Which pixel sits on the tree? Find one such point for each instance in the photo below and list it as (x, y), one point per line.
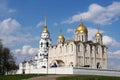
(1, 48)
(7, 60)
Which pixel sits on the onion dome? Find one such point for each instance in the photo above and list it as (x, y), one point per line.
(45, 30)
(61, 36)
(98, 34)
(81, 28)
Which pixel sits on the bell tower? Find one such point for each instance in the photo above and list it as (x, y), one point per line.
(44, 44)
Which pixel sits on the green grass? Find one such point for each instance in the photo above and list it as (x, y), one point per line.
(71, 77)
(19, 76)
(88, 77)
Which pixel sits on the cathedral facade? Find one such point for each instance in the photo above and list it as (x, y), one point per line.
(79, 52)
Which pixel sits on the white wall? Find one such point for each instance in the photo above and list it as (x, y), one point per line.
(71, 70)
(96, 72)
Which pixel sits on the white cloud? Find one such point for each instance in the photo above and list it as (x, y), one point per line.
(27, 52)
(11, 10)
(41, 23)
(5, 9)
(113, 60)
(98, 14)
(10, 33)
(107, 40)
(114, 64)
(115, 55)
(8, 26)
(70, 30)
(26, 49)
(55, 24)
(91, 33)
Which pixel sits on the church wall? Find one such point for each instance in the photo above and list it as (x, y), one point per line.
(64, 52)
(105, 58)
(87, 55)
(93, 57)
(80, 54)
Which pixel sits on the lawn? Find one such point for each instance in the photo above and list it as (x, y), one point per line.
(71, 77)
(19, 76)
(88, 77)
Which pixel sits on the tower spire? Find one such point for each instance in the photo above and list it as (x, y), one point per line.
(45, 23)
(45, 30)
(81, 20)
(60, 31)
(98, 30)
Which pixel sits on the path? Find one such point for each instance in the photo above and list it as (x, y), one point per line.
(49, 77)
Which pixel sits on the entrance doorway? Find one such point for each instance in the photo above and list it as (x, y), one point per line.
(98, 65)
(23, 71)
(57, 63)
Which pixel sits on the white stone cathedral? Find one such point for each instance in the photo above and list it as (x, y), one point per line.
(78, 52)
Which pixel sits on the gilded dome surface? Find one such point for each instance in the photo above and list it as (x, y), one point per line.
(81, 29)
(98, 34)
(60, 37)
(45, 30)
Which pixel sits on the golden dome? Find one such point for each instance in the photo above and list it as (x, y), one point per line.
(98, 34)
(61, 37)
(45, 30)
(81, 29)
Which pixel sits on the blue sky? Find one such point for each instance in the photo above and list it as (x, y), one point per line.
(21, 23)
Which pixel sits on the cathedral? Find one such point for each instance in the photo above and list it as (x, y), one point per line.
(79, 52)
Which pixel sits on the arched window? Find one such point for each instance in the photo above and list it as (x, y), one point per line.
(79, 48)
(98, 65)
(99, 40)
(85, 48)
(66, 48)
(82, 37)
(41, 44)
(47, 44)
(60, 49)
(71, 47)
(79, 38)
(97, 49)
(90, 49)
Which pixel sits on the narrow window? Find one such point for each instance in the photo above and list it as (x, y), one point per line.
(47, 44)
(66, 48)
(41, 44)
(82, 37)
(60, 49)
(71, 47)
(78, 48)
(85, 48)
